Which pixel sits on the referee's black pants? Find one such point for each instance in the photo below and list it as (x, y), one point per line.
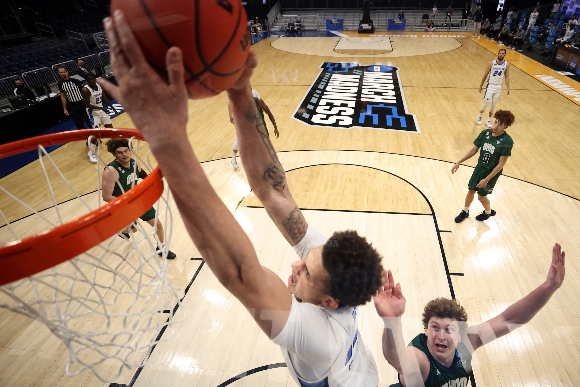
(78, 112)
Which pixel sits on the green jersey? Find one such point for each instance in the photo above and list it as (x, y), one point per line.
(457, 375)
(256, 99)
(492, 148)
(127, 177)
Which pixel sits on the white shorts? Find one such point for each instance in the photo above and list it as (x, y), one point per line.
(492, 95)
(100, 118)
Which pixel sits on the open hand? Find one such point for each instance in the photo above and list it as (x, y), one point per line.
(389, 302)
(152, 102)
(557, 269)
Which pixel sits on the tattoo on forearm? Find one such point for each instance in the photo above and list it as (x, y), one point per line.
(276, 176)
(295, 225)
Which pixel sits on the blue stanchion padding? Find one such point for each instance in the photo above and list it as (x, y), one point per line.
(396, 24)
(334, 24)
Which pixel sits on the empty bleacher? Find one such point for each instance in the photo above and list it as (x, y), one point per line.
(315, 19)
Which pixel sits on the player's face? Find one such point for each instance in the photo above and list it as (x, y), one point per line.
(498, 128)
(442, 338)
(500, 55)
(92, 81)
(123, 155)
(308, 278)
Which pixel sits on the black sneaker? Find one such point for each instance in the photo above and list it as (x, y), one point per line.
(170, 254)
(462, 216)
(124, 235)
(483, 216)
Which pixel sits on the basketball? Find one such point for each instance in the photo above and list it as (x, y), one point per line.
(212, 34)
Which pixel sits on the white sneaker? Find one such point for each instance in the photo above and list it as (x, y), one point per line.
(479, 120)
(488, 123)
(92, 157)
(235, 164)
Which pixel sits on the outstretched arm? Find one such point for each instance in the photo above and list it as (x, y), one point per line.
(411, 363)
(523, 310)
(159, 109)
(263, 169)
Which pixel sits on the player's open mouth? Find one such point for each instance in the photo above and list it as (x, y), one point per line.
(441, 347)
(291, 280)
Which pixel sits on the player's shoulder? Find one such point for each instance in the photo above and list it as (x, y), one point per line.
(508, 138)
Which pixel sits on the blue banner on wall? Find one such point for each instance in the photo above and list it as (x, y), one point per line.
(334, 24)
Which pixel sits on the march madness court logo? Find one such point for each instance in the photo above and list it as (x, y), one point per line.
(348, 94)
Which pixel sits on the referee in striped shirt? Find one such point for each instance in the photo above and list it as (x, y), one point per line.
(71, 96)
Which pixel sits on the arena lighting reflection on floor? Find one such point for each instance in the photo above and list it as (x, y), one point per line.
(216, 298)
(185, 364)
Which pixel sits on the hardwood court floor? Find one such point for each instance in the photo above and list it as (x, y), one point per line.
(396, 188)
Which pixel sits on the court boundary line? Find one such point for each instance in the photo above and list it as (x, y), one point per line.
(406, 155)
(448, 274)
(443, 256)
(162, 331)
(250, 372)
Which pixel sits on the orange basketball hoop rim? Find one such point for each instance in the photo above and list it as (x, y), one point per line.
(31, 255)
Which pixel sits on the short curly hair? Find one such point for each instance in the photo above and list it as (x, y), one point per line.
(354, 268)
(115, 143)
(444, 308)
(505, 117)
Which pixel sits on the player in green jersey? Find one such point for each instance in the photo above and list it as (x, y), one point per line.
(262, 107)
(441, 357)
(120, 176)
(496, 146)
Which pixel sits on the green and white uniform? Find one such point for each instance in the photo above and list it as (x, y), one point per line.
(127, 179)
(458, 374)
(256, 96)
(492, 148)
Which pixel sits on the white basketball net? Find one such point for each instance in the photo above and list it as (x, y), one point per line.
(107, 305)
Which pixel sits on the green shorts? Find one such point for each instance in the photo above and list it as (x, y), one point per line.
(150, 214)
(479, 174)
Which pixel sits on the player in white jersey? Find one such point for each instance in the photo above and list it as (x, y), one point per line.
(316, 327)
(495, 72)
(93, 98)
(313, 316)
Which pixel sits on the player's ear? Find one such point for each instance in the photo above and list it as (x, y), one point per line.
(329, 302)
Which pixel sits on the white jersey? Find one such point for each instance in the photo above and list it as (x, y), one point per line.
(96, 95)
(323, 347)
(99, 117)
(496, 74)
